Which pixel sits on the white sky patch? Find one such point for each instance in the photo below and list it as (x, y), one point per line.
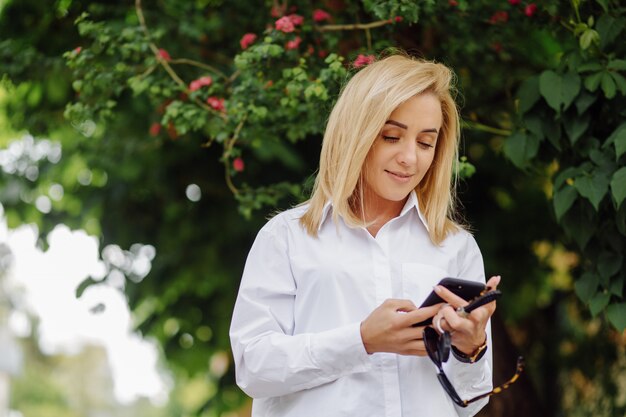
(47, 282)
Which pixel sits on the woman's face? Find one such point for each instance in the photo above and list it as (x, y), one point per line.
(403, 151)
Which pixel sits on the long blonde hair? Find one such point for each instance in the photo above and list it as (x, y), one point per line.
(355, 122)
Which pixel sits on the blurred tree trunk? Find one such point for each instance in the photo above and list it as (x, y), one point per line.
(521, 399)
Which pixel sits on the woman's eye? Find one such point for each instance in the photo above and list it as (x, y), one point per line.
(390, 138)
(425, 145)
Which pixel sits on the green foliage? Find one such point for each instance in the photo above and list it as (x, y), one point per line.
(115, 88)
(584, 98)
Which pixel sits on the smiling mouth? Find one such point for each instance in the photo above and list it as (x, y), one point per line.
(399, 174)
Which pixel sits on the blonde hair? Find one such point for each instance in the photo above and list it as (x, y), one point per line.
(355, 122)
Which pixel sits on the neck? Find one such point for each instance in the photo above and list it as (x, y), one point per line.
(377, 212)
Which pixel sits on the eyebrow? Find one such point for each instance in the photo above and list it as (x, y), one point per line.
(403, 126)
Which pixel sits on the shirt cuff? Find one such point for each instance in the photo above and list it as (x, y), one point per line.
(470, 379)
(340, 351)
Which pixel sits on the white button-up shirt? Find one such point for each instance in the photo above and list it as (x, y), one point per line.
(295, 331)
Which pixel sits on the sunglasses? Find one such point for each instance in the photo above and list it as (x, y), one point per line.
(438, 349)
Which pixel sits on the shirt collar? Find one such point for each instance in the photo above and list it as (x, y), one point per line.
(325, 212)
(411, 203)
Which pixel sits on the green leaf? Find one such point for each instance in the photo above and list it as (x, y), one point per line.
(586, 286)
(599, 302)
(608, 85)
(521, 147)
(567, 173)
(550, 86)
(593, 187)
(592, 82)
(617, 64)
(609, 264)
(619, 138)
(618, 186)
(590, 66)
(576, 127)
(609, 29)
(528, 94)
(570, 88)
(588, 37)
(552, 131)
(563, 200)
(616, 314)
(579, 225)
(620, 81)
(584, 100)
(532, 122)
(602, 159)
(617, 286)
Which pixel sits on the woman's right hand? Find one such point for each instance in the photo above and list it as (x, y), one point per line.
(389, 328)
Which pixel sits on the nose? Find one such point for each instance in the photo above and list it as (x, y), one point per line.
(407, 153)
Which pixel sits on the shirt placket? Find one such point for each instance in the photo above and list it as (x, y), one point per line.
(387, 361)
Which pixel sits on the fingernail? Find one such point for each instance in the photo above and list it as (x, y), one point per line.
(437, 288)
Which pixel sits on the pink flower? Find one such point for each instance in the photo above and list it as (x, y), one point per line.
(216, 103)
(514, 2)
(247, 40)
(320, 15)
(294, 43)
(155, 129)
(362, 60)
(296, 19)
(238, 164)
(530, 9)
(499, 17)
(200, 82)
(78, 49)
(453, 3)
(164, 54)
(285, 24)
(398, 19)
(276, 11)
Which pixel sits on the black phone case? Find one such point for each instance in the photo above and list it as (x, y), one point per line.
(461, 287)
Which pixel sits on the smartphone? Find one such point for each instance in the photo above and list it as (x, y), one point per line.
(461, 287)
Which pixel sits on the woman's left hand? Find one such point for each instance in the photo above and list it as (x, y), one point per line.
(467, 334)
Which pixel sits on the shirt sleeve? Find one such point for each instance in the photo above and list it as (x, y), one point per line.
(472, 379)
(270, 360)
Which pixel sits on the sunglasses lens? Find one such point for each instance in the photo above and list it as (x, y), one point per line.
(444, 346)
(431, 343)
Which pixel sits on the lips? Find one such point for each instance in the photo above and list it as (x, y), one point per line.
(399, 175)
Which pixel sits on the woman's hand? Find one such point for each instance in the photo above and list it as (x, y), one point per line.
(389, 328)
(467, 334)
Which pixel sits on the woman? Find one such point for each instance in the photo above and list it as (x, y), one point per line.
(323, 321)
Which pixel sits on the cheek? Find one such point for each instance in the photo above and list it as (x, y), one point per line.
(426, 161)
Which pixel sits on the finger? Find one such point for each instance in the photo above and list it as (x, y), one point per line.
(449, 297)
(400, 305)
(483, 313)
(421, 314)
(414, 348)
(409, 334)
(454, 321)
(494, 282)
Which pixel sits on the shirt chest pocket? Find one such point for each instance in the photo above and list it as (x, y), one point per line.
(419, 279)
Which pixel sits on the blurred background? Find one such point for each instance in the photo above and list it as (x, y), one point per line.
(144, 143)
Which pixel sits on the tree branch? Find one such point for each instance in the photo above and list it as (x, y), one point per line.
(354, 26)
(165, 64)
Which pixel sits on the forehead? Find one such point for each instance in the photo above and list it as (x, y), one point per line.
(419, 110)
